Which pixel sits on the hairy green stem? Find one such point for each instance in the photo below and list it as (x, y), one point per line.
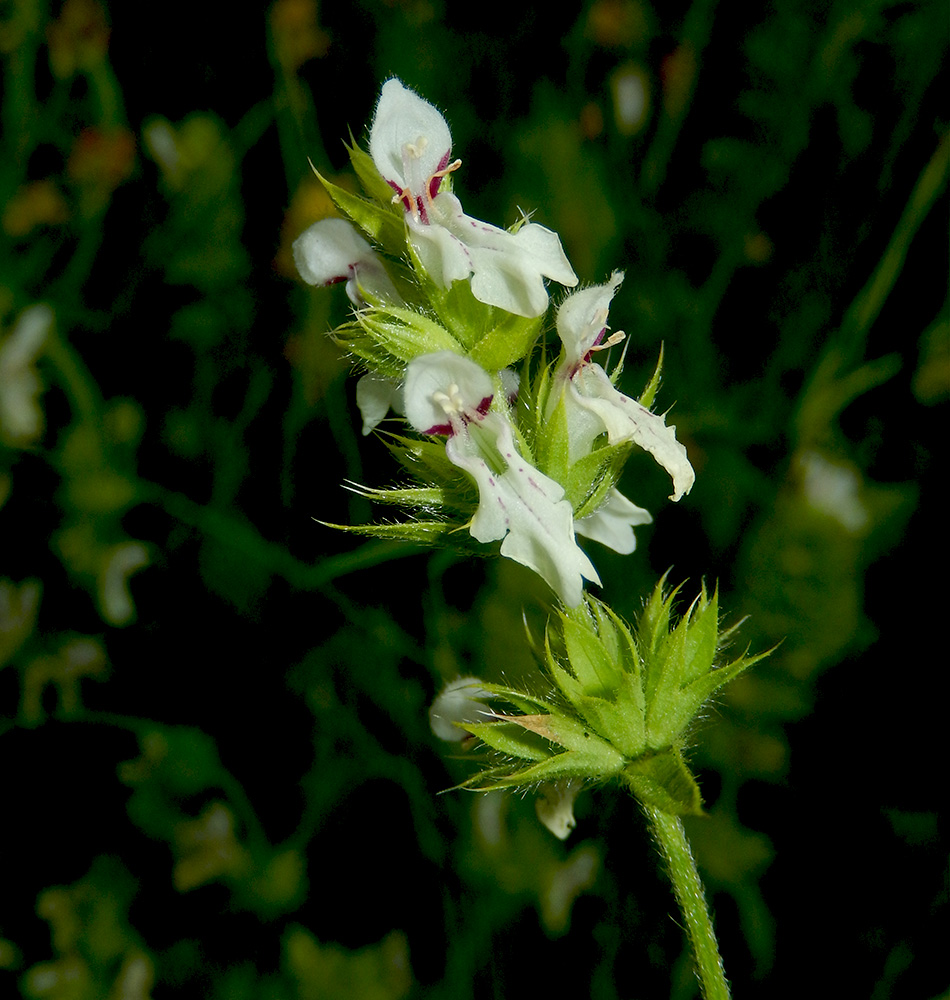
(688, 889)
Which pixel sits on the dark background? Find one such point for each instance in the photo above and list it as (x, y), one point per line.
(781, 215)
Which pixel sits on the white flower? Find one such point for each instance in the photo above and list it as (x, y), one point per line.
(555, 806)
(115, 599)
(613, 522)
(331, 251)
(834, 488)
(411, 145)
(594, 405)
(462, 700)
(446, 393)
(375, 394)
(21, 417)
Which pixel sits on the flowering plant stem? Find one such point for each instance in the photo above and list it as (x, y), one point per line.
(671, 837)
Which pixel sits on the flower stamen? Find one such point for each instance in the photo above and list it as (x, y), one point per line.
(611, 341)
(414, 202)
(450, 401)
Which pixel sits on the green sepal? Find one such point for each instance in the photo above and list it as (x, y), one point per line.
(353, 339)
(687, 652)
(596, 674)
(707, 685)
(700, 636)
(591, 478)
(456, 307)
(404, 333)
(570, 764)
(663, 781)
(552, 439)
(653, 633)
(427, 461)
(507, 341)
(684, 656)
(421, 532)
(528, 703)
(681, 667)
(604, 682)
(617, 639)
(385, 225)
(511, 739)
(649, 393)
(533, 397)
(587, 481)
(561, 765)
(430, 498)
(620, 722)
(622, 702)
(374, 184)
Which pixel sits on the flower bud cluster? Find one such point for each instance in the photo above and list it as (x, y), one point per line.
(444, 306)
(621, 704)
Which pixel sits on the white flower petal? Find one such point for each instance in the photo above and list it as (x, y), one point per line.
(462, 700)
(115, 599)
(582, 319)
(443, 255)
(625, 419)
(28, 336)
(375, 394)
(520, 505)
(411, 145)
(613, 522)
(409, 139)
(555, 806)
(443, 386)
(834, 488)
(331, 251)
(507, 269)
(446, 393)
(21, 416)
(511, 383)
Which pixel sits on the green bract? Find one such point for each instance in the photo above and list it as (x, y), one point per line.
(623, 701)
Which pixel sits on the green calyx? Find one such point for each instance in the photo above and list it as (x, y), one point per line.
(623, 701)
(387, 336)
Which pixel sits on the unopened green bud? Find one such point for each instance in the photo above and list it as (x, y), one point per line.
(623, 704)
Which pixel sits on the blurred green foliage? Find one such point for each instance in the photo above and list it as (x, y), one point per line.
(244, 803)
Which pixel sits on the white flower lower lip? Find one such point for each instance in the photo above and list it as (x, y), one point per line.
(625, 419)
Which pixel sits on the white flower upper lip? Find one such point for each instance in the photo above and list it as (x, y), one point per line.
(411, 145)
(331, 250)
(582, 320)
